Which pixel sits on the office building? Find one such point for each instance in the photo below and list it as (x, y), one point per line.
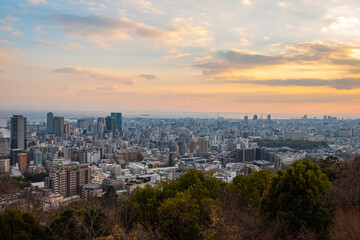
(4, 146)
(59, 126)
(67, 129)
(50, 123)
(22, 161)
(18, 132)
(255, 117)
(193, 146)
(67, 180)
(110, 123)
(204, 146)
(37, 157)
(118, 117)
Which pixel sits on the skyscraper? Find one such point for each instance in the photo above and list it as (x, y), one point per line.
(118, 117)
(59, 126)
(111, 124)
(18, 132)
(50, 123)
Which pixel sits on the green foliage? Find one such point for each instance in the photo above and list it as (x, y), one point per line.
(19, 225)
(36, 177)
(297, 196)
(251, 188)
(144, 203)
(295, 144)
(179, 217)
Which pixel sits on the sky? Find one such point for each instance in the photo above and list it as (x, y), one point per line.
(299, 56)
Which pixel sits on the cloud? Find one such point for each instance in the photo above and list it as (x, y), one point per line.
(67, 46)
(179, 55)
(341, 84)
(101, 29)
(6, 28)
(148, 76)
(108, 88)
(301, 54)
(37, 2)
(96, 74)
(143, 6)
(5, 59)
(10, 29)
(40, 29)
(344, 27)
(4, 41)
(200, 59)
(10, 20)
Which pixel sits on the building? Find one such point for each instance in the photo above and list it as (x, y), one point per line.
(4, 166)
(22, 161)
(67, 180)
(246, 119)
(18, 132)
(13, 155)
(193, 146)
(118, 117)
(85, 123)
(296, 135)
(268, 118)
(204, 146)
(255, 117)
(37, 157)
(252, 154)
(59, 126)
(110, 123)
(67, 129)
(4, 146)
(91, 190)
(50, 123)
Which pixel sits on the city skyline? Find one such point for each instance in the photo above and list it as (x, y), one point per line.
(296, 57)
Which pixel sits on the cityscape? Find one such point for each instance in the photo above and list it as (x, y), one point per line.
(179, 120)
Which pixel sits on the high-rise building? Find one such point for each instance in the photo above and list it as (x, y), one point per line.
(59, 126)
(67, 180)
(110, 123)
(67, 129)
(50, 123)
(37, 157)
(18, 132)
(246, 118)
(255, 117)
(4, 146)
(204, 146)
(268, 117)
(13, 155)
(22, 161)
(118, 117)
(100, 127)
(193, 146)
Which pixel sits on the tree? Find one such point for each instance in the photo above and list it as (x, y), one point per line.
(297, 196)
(251, 188)
(16, 225)
(179, 217)
(111, 193)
